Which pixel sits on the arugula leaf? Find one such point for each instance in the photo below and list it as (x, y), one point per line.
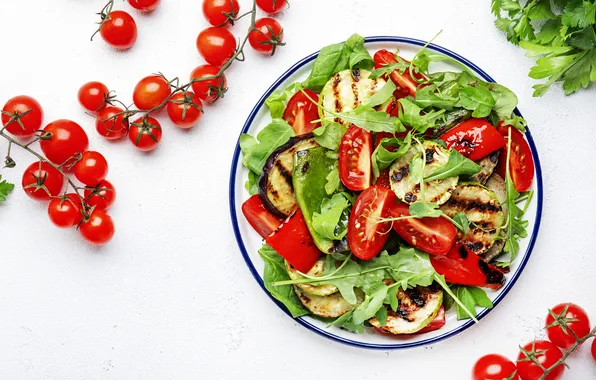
(333, 181)
(329, 135)
(429, 97)
(422, 209)
(5, 189)
(359, 57)
(256, 151)
(371, 305)
(346, 322)
(412, 115)
(332, 221)
(382, 95)
(276, 102)
(275, 270)
(471, 297)
(456, 165)
(370, 119)
(460, 220)
(477, 99)
(252, 184)
(451, 296)
(383, 157)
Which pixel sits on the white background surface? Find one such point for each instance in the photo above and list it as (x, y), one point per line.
(170, 297)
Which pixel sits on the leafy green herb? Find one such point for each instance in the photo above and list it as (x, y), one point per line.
(275, 270)
(383, 157)
(329, 135)
(370, 119)
(359, 56)
(256, 151)
(421, 209)
(346, 322)
(332, 221)
(276, 102)
(452, 297)
(333, 181)
(5, 189)
(460, 220)
(477, 99)
(456, 165)
(252, 184)
(471, 297)
(412, 115)
(382, 95)
(429, 97)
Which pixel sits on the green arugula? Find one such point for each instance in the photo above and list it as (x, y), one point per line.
(477, 99)
(456, 165)
(5, 189)
(333, 181)
(252, 184)
(470, 296)
(256, 151)
(329, 135)
(276, 102)
(412, 115)
(383, 157)
(370, 119)
(332, 221)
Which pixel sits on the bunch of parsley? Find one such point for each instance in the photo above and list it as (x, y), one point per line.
(562, 33)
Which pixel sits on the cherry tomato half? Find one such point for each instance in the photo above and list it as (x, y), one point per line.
(579, 324)
(101, 196)
(145, 133)
(521, 163)
(42, 181)
(144, 5)
(301, 112)
(150, 92)
(185, 109)
(474, 139)
(211, 89)
(271, 6)
(93, 96)
(67, 140)
(547, 355)
(91, 169)
(220, 12)
(366, 236)
(119, 30)
(98, 229)
(22, 115)
(111, 128)
(216, 45)
(355, 158)
(267, 36)
(65, 211)
(264, 222)
(406, 86)
(494, 367)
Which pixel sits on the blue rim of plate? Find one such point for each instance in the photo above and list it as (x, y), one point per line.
(327, 333)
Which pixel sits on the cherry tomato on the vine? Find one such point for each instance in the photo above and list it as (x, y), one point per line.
(216, 45)
(145, 133)
(93, 96)
(101, 196)
(111, 128)
(91, 169)
(594, 349)
(42, 181)
(65, 211)
(67, 140)
(119, 30)
(220, 12)
(98, 229)
(267, 36)
(494, 367)
(271, 6)
(150, 92)
(547, 354)
(144, 5)
(211, 89)
(184, 109)
(575, 318)
(22, 115)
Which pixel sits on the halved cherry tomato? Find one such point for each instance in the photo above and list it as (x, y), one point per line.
(521, 163)
(42, 181)
(578, 322)
(210, 89)
(474, 139)
(547, 354)
(463, 267)
(432, 235)
(22, 115)
(383, 179)
(494, 367)
(264, 222)
(354, 159)
(293, 242)
(404, 82)
(65, 211)
(366, 236)
(301, 112)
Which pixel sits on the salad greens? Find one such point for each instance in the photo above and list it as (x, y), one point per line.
(5, 189)
(256, 151)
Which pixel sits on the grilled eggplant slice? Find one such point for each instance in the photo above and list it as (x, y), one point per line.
(417, 308)
(331, 306)
(348, 89)
(275, 184)
(316, 270)
(484, 212)
(487, 165)
(435, 191)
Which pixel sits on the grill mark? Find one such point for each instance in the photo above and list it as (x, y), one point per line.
(438, 197)
(356, 75)
(494, 157)
(429, 156)
(400, 174)
(335, 88)
(409, 197)
(493, 276)
(287, 176)
(355, 92)
(463, 253)
(472, 204)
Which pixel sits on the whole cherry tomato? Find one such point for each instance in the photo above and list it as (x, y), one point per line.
(547, 354)
(575, 319)
(66, 140)
(91, 169)
(184, 109)
(216, 45)
(211, 89)
(145, 133)
(22, 115)
(65, 211)
(220, 12)
(98, 229)
(42, 181)
(110, 127)
(119, 30)
(101, 196)
(150, 92)
(267, 36)
(144, 5)
(271, 6)
(93, 96)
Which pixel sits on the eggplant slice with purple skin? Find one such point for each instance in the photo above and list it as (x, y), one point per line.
(275, 184)
(488, 165)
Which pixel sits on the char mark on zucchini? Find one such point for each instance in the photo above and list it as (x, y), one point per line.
(487, 167)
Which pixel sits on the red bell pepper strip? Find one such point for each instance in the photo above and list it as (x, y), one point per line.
(474, 139)
(264, 222)
(293, 242)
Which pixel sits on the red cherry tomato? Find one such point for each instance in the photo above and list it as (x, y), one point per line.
(301, 112)
(432, 235)
(101, 196)
(548, 355)
(93, 96)
(267, 36)
(474, 139)
(521, 163)
(22, 115)
(111, 129)
(185, 109)
(220, 12)
(594, 349)
(145, 133)
(354, 158)
(271, 6)
(264, 222)
(579, 323)
(119, 30)
(67, 140)
(42, 181)
(65, 211)
(403, 81)
(211, 89)
(150, 92)
(98, 229)
(216, 45)
(366, 236)
(144, 5)
(91, 169)
(494, 367)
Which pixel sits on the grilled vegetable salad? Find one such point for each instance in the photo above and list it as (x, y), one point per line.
(386, 193)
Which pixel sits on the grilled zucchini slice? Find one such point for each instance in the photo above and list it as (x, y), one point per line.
(496, 183)
(276, 190)
(331, 306)
(407, 190)
(347, 90)
(316, 270)
(484, 212)
(487, 167)
(417, 308)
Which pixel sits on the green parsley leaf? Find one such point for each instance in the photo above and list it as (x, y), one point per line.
(5, 189)
(456, 165)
